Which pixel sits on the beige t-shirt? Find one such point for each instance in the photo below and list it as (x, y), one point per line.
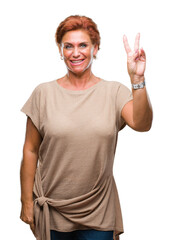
(74, 185)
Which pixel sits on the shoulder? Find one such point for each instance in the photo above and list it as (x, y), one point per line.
(115, 85)
(44, 87)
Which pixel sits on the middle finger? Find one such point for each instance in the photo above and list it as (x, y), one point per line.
(136, 46)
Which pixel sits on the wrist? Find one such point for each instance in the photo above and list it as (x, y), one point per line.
(138, 84)
(27, 201)
(137, 79)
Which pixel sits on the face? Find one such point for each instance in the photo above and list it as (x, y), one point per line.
(78, 51)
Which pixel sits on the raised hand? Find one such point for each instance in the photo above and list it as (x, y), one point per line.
(136, 60)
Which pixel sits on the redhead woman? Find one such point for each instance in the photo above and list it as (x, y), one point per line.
(68, 189)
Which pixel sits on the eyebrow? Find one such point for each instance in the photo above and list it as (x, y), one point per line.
(72, 44)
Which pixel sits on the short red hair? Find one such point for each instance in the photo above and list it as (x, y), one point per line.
(75, 22)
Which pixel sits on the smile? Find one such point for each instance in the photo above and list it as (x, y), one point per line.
(76, 62)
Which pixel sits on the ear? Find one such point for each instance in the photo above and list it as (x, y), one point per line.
(95, 50)
(59, 47)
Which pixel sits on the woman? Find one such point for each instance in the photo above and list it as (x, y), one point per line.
(72, 129)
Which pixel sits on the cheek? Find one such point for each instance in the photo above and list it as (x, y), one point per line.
(67, 54)
(85, 52)
(91, 51)
(88, 53)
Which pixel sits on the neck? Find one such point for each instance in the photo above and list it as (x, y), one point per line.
(79, 80)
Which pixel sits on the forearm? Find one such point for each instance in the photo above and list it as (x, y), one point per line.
(142, 109)
(27, 175)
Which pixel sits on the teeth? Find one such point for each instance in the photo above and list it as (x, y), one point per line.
(76, 61)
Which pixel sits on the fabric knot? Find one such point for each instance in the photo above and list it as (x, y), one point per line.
(41, 200)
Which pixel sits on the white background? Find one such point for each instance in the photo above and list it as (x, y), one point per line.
(29, 56)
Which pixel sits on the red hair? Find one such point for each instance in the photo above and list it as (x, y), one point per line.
(75, 22)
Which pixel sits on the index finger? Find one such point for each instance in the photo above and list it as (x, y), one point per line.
(126, 44)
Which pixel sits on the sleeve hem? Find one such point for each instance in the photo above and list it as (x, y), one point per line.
(35, 122)
(124, 103)
(123, 123)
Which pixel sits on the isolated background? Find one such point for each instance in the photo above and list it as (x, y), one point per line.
(143, 161)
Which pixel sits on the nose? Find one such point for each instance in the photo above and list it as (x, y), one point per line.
(76, 52)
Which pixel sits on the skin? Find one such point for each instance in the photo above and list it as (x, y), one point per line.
(137, 113)
(78, 77)
(31, 146)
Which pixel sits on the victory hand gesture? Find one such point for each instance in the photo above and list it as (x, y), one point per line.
(136, 60)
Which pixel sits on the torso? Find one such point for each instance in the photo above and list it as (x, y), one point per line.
(65, 84)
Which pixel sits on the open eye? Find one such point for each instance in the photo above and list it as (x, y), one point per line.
(83, 45)
(67, 46)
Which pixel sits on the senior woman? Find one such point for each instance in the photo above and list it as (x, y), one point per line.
(68, 189)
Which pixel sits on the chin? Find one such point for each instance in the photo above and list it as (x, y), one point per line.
(78, 71)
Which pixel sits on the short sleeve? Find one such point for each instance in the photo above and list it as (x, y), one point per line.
(124, 95)
(32, 107)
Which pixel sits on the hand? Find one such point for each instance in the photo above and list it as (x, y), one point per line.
(136, 60)
(27, 215)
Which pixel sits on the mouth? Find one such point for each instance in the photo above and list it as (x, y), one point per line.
(77, 62)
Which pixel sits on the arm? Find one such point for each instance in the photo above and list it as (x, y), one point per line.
(27, 171)
(137, 113)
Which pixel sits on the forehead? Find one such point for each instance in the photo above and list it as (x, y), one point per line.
(76, 36)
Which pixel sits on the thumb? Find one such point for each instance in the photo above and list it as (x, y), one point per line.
(32, 226)
(136, 55)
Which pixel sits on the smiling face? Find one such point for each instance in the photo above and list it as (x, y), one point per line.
(77, 50)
